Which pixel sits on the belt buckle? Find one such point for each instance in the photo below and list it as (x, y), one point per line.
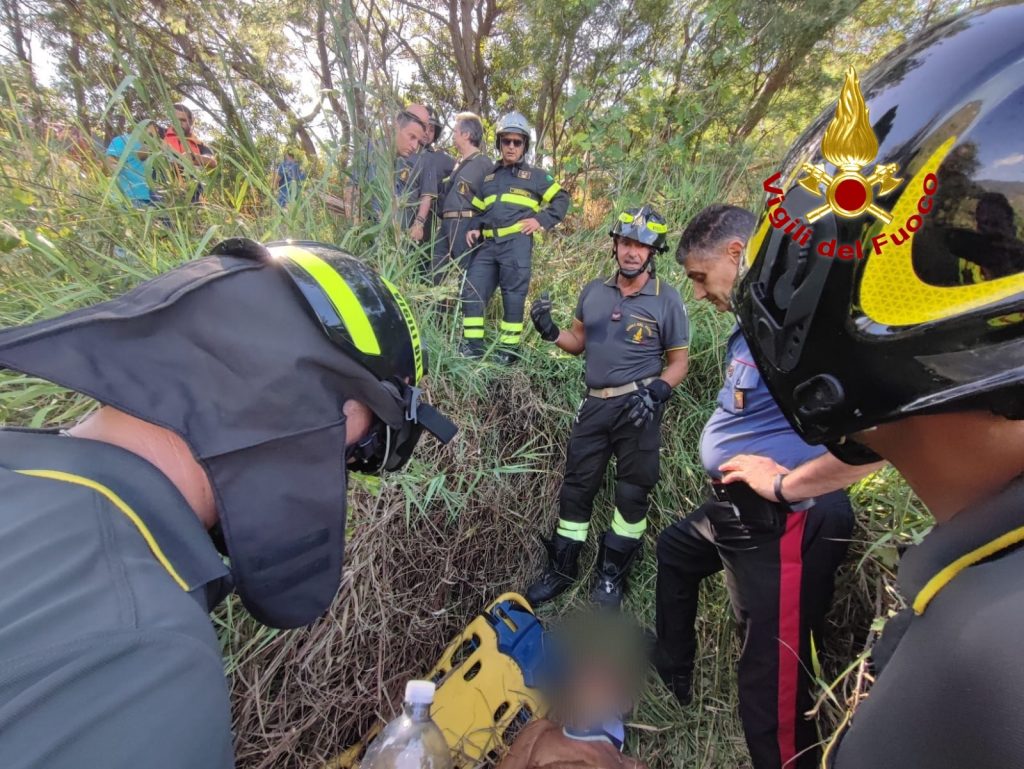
(606, 392)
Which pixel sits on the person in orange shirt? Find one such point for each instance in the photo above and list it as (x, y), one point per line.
(199, 154)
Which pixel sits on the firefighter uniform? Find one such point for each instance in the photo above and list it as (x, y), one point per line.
(414, 177)
(780, 565)
(508, 195)
(107, 653)
(441, 165)
(463, 183)
(626, 338)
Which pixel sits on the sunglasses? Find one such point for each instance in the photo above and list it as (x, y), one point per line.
(508, 142)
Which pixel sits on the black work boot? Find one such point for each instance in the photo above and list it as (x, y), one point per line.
(614, 558)
(506, 356)
(471, 348)
(561, 571)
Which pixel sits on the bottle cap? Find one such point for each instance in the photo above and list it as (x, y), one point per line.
(420, 692)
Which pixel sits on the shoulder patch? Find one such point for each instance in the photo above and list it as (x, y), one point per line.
(519, 191)
(404, 175)
(523, 173)
(463, 188)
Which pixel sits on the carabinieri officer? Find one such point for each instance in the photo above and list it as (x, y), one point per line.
(634, 329)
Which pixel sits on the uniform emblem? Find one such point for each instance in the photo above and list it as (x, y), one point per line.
(524, 174)
(519, 191)
(640, 330)
(489, 178)
(463, 188)
(850, 144)
(404, 175)
(739, 399)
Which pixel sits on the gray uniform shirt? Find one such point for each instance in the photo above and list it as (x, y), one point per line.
(465, 182)
(626, 336)
(107, 654)
(951, 693)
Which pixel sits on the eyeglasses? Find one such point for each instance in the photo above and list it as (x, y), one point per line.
(507, 141)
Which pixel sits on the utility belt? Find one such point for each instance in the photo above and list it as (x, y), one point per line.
(458, 214)
(501, 232)
(744, 514)
(614, 392)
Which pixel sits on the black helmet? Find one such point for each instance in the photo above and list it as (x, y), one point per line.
(250, 355)
(366, 316)
(513, 123)
(435, 121)
(923, 313)
(644, 225)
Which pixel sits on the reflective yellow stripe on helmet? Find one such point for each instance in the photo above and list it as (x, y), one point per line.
(344, 300)
(658, 227)
(892, 293)
(411, 325)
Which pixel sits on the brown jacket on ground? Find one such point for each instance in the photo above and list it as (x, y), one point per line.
(542, 744)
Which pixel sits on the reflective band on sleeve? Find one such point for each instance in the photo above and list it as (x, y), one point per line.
(510, 339)
(551, 191)
(623, 528)
(469, 322)
(120, 504)
(472, 333)
(520, 200)
(573, 530)
(482, 204)
(344, 300)
(509, 326)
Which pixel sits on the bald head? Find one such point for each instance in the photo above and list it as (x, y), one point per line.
(411, 129)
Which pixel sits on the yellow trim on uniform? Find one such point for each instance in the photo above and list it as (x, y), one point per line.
(510, 326)
(345, 302)
(892, 293)
(468, 322)
(519, 200)
(411, 325)
(550, 192)
(944, 577)
(573, 530)
(681, 347)
(503, 231)
(120, 504)
(624, 528)
(482, 204)
(472, 328)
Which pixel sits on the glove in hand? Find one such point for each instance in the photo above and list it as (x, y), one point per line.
(644, 402)
(540, 314)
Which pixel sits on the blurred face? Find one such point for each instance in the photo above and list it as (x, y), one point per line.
(631, 254)
(185, 120)
(512, 148)
(713, 272)
(409, 137)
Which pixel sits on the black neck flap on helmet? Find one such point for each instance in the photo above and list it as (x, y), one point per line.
(887, 280)
(644, 225)
(219, 351)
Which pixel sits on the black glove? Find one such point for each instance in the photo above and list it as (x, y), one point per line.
(540, 314)
(643, 403)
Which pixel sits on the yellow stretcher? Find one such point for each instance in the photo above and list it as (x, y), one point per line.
(486, 686)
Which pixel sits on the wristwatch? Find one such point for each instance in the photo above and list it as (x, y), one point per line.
(778, 489)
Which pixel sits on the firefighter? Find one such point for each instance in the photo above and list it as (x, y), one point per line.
(634, 330)
(780, 555)
(869, 357)
(441, 165)
(516, 201)
(463, 184)
(236, 392)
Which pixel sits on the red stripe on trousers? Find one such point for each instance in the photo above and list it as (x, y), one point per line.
(790, 574)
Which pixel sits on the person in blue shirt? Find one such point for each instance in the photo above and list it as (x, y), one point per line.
(125, 158)
(288, 178)
(780, 554)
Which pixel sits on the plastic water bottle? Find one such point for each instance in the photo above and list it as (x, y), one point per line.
(413, 740)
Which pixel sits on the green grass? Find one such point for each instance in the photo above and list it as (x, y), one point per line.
(428, 548)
